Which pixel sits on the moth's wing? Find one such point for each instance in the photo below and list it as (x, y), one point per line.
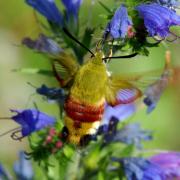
(141, 79)
(126, 88)
(175, 80)
(64, 67)
(120, 91)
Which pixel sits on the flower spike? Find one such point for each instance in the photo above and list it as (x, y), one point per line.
(119, 24)
(158, 19)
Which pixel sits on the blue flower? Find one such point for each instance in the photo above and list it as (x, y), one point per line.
(168, 3)
(1, 170)
(108, 130)
(121, 112)
(113, 115)
(158, 19)
(140, 169)
(118, 26)
(169, 163)
(48, 9)
(150, 103)
(72, 7)
(155, 90)
(132, 134)
(23, 168)
(56, 94)
(4, 174)
(32, 120)
(43, 44)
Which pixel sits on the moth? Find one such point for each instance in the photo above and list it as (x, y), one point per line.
(90, 86)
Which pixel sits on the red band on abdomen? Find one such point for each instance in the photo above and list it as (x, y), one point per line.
(83, 113)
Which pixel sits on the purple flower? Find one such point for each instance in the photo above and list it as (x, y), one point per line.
(72, 7)
(52, 94)
(132, 134)
(140, 169)
(108, 131)
(168, 3)
(43, 44)
(32, 120)
(1, 170)
(118, 26)
(57, 94)
(23, 168)
(150, 103)
(48, 9)
(158, 19)
(169, 163)
(155, 90)
(121, 112)
(4, 174)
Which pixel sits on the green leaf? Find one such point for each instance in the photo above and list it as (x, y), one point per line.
(105, 7)
(35, 71)
(127, 151)
(101, 176)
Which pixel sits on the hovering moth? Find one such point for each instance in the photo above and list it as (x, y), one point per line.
(90, 87)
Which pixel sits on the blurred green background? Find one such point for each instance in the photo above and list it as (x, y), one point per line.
(17, 21)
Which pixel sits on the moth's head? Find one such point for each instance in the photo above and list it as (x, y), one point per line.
(98, 57)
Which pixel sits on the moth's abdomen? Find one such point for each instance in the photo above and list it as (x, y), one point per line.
(82, 119)
(83, 113)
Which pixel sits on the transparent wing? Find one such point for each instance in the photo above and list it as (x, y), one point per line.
(126, 88)
(64, 67)
(120, 91)
(141, 79)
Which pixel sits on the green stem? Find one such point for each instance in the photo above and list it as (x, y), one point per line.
(73, 168)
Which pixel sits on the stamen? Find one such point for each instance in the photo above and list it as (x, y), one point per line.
(12, 130)
(5, 118)
(168, 57)
(99, 45)
(149, 44)
(28, 155)
(15, 137)
(158, 40)
(174, 34)
(175, 37)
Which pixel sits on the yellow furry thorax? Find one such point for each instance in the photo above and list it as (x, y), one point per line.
(90, 81)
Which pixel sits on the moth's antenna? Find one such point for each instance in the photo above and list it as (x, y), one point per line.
(78, 42)
(116, 57)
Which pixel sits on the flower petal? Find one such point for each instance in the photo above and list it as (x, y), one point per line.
(158, 19)
(118, 26)
(32, 120)
(48, 9)
(23, 168)
(169, 162)
(72, 7)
